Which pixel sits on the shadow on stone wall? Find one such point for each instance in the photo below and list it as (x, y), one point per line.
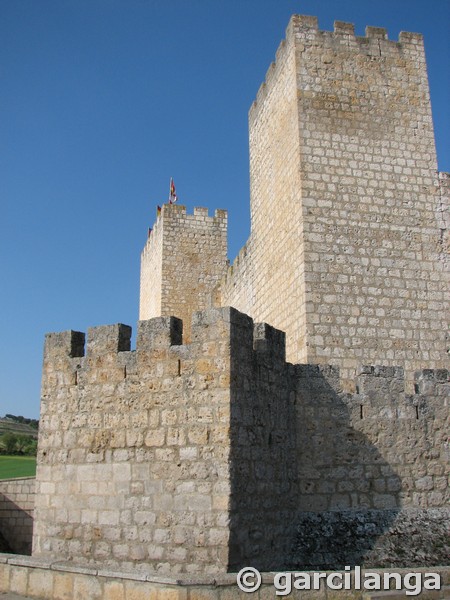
(308, 491)
(16, 527)
(263, 469)
(341, 475)
(4, 547)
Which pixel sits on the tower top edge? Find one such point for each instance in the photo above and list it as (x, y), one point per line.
(307, 22)
(303, 31)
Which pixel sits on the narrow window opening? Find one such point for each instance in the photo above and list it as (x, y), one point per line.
(361, 411)
(417, 412)
(76, 378)
(416, 388)
(125, 372)
(179, 368)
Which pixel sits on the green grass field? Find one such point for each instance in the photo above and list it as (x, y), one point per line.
(17, 466)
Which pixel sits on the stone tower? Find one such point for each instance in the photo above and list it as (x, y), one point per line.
(183, 260)
(205, 451)
(346, 252)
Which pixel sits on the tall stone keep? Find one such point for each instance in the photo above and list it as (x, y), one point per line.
(347, 246)
(183, 260)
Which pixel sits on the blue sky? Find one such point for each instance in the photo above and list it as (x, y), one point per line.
(101, 102)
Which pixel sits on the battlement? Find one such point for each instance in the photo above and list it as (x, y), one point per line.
(66, 343)
(236, 270)
(163, 334)
(167, 437)
(308, 26)
(199, 217)
(161, 337)
(179, 210)
(303, 32)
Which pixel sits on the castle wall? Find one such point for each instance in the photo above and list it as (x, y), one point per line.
(16, 513)
(372, 469)
(264, 483)
(184, 259)
(133, 447)
(346, 252)
(267, 280)
(444, 219)
(322, 478)
(217, 454)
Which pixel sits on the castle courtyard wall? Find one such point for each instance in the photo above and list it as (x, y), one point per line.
(210, 456)
(17, 498)
(133, 447)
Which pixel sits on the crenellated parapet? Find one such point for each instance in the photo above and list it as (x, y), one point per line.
(179, 456)
(303, 32)
(131, 440)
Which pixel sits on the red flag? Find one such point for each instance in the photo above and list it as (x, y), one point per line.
(172, 193)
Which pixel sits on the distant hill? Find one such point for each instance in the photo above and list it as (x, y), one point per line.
(8, 425)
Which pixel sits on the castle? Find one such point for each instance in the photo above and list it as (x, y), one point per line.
(290, 410)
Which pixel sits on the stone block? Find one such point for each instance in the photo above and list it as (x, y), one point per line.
(135, 590)
(378, 33)
(64, 344)
(87, 587)
(114, 590)
(40, 583)
(5, 571)
(176, 593)
(108, 339)
(343, 28)
(18, 580)
(159, 333)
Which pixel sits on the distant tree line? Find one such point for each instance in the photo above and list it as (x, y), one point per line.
(34, 423)
(18, 444)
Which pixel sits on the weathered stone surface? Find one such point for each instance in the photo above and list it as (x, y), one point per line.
(226, 451)
(184, 259)
(202, 450)
(349, 238)
(393, 539)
